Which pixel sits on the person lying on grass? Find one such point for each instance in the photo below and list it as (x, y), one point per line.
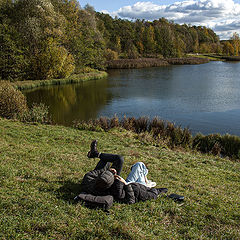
(106, 180)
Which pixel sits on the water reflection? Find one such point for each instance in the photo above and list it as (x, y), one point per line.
(71, 102)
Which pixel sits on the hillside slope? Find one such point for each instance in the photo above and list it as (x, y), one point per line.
(41, 167)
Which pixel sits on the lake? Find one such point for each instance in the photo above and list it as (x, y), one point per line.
(205, 98)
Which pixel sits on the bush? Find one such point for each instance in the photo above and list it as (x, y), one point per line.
(110, 55)
(128, 123)
(12, 101)
(89, 125)
(83, 69)
(207, 143)
(157, 127)
(231, 145)
(38, 113)
(141, 124)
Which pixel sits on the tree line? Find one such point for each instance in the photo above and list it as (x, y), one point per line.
(161, 38)
(44, 39)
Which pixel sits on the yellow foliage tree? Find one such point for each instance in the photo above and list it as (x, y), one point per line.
(228, 48)
(53, 62)
(236, 43)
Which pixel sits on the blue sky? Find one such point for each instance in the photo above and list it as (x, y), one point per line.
(223, 16)
(114, 5)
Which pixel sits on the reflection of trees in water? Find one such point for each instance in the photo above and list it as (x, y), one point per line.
(72, 102)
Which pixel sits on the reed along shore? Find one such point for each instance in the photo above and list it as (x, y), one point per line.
(153, 62)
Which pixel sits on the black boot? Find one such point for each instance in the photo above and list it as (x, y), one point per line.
(93, 153)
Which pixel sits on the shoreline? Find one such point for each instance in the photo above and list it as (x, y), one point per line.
(75, 78)
(121, 64)
(114, 64)
(154, 62)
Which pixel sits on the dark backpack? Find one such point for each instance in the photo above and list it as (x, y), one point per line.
(91, 201)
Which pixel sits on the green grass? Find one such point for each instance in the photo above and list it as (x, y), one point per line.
(75, 78)
(42, 166)
(211, 58)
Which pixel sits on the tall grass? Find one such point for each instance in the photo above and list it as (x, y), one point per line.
(136, 63)
(226, 145)
(161, 131)
(158, 129)
(153, 62)
(188, 60)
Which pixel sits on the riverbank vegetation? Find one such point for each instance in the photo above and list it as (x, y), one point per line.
(153, 62)
(74, 78)
(42, 167)
(158, 131)
(54, 39)
(136, 63)
(13, 105)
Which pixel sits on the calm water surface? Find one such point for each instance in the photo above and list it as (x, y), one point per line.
(205, 98)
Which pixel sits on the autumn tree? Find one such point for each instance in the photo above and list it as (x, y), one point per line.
(164, 38)
(228, 48)
(42, 30)
(235, 40)
(149, 39)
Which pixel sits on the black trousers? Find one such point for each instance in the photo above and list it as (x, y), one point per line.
(106, 159)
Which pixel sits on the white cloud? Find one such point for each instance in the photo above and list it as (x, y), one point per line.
(105, 11)
(220, 15)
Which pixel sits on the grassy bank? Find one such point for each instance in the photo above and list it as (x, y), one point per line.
(153, 62)
(167, 133)
(75, 78)
(216, 57)
(206, 56)
(41, 167)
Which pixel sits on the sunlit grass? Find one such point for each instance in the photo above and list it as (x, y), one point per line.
(211, 58)
(42, 166)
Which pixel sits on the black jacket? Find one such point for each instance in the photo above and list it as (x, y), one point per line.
(89, 182)
(132, 193)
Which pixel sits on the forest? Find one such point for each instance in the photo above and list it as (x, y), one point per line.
(46, 39)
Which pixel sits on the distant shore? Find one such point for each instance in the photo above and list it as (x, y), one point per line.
(153, 62)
